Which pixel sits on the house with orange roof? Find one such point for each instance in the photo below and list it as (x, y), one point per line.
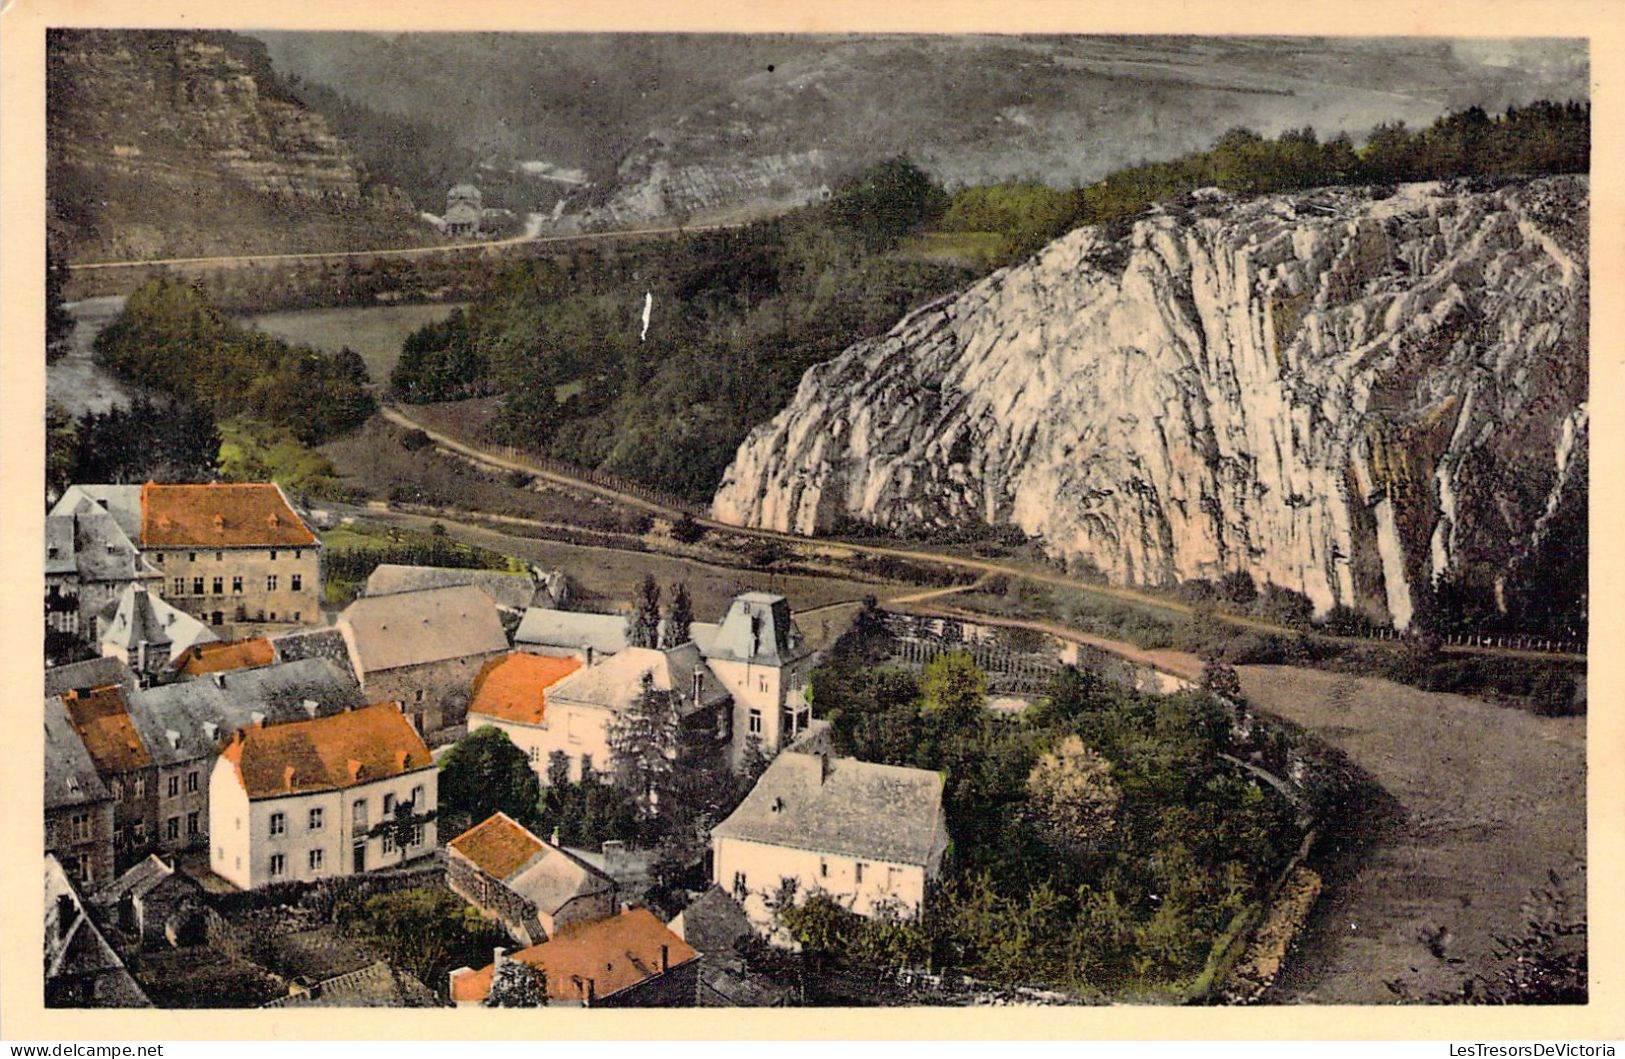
(510, 693)
(222, 657)
(100, 717)
(630, 960)
(533, 888)
(317, 798)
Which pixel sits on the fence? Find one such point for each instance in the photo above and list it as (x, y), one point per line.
(602, 479)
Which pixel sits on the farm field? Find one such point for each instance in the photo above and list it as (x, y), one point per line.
(374, 331)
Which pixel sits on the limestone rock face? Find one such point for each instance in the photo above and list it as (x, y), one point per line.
(172, 143)
(1345, 392)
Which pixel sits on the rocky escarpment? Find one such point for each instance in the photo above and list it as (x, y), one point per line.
(168, 143)
(1344, 392)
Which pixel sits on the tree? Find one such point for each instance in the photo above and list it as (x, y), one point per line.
(558, 770)
(954, 685)
(1072, 790)
(423, 931)
(516, 984)
(886, 202)
(645, 626)
(402, 829)
(685, 530)
(1239, 588)
(485, 773)
(643, 743)
(1221, 680)
(678, 618)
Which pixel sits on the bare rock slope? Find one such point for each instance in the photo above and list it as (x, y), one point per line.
(1345, 392)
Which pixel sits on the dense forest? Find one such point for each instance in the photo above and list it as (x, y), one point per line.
(738, 315)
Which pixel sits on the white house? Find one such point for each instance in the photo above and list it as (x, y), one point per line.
(869, 836)
(763, 661)
(303, 800)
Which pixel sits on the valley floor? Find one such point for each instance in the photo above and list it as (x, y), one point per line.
(1488, 799)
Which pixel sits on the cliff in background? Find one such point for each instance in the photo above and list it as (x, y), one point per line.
(172, 143)
(1343, 393)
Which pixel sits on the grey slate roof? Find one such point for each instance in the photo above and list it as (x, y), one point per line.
(325, 643)
(141, 879)
(92, 673)
(511, 591)
(415, 628)
(757, 629)
(123, 502)
(571, 630)
(229, 700)
(553, 878)
(712, 923)
(616, 682)
(141, 615)
(59, 545)
(75, 949)
(70, 775)
(844, 806)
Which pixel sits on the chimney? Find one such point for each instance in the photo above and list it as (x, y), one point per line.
(257, 718)
(174, 738)
(665, 958)
(355, 770)
(825, 767)
(219, 524)
(699, 682)
(211, 730)
(400, 760)
(310, 708)
(592, 992)
(498, 954)
(590, 653)
(287, 776)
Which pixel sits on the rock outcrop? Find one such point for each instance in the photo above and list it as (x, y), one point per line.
(171, 143)
(1346, 392)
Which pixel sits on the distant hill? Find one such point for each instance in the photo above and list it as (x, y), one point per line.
(175, 143)
(702, 125)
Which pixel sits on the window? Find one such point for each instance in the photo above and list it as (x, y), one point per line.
(823, 868)
(81, 826)
(739, 884)
(417, 834)
(180, 586)
(279, 864)
(417, 798)
(761, 683)
(217, 617)
(389, 806)
(857, 875)
(197, 586)
(218, 585)
(270, 582)
(236, 582)
(159, 558)
(316, 819)
(192, 823)
(191, 557)
(174, 786)
(296, 615)
(358, 814)
(296, 582)
(535, 754)
(272, 615)
(138, 832)
(389, 842)
(756, 722)
(316, 860)
(191, 781)
(297, 552)
(273, 555)
(418, 695)
(138, 786)
(279, 824)
(172, 828)
(219, 557)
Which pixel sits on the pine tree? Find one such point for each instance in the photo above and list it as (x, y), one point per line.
(515, 984)
(678, 619)
(645, 630)
(643, 745)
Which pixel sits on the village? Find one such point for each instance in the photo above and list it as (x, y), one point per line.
(225, 766)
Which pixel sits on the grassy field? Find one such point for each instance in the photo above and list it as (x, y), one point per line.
(374, 331)
(973, 249)
(1488, 800)
(608, 578)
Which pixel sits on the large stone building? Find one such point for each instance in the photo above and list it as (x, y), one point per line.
(78, 805)
(423, 649)
(533, 888)
(760, 656)
(89, 563)
(81, 968)
(464, 211)
(869, 836)
(311, 799)
(150, 636)
(101, 718)
(229, 554)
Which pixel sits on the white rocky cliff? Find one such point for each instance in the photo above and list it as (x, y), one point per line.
(1344, 391)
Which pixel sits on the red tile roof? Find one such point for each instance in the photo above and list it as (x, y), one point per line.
(497, 846)
(220, 515)
(345, 749)
(219, 657)
(103, 722)
(512, 687)
(614, 954)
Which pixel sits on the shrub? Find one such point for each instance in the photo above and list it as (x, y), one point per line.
(414, 440)
(686, 531)
(518, 479)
